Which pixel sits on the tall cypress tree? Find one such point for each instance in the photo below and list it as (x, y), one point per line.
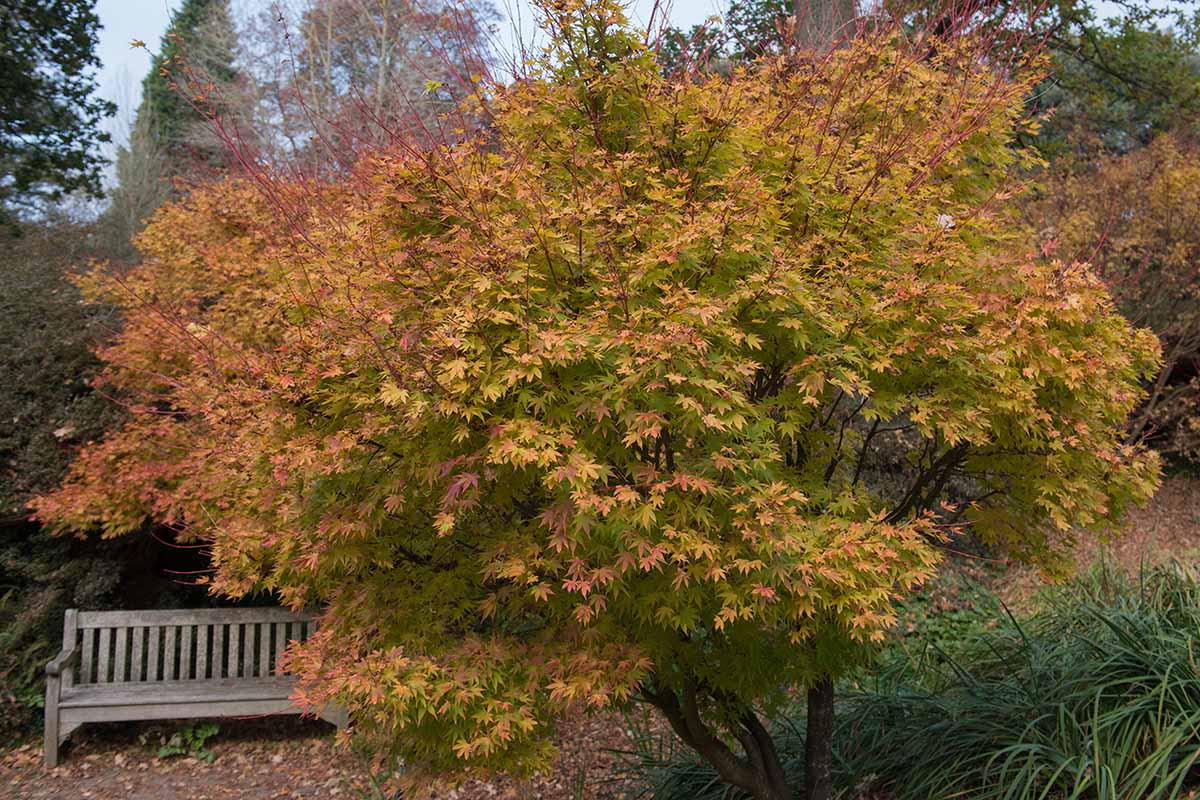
(198, 45)
(169, 138)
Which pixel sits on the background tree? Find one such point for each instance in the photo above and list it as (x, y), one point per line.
(49, 118)
(47, 411)
(49, 408)
(585, 412)
(750, 29)
(1118, 83)
(340, 77)
(1121, 116)
(1135, 216)
(143, 184)
(757, 27)
(197, 50)
(192, 81)
(821, 24)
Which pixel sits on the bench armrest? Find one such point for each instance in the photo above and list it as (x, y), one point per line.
(62, 661)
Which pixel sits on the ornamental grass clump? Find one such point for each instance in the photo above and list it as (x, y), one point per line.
(1096, 697)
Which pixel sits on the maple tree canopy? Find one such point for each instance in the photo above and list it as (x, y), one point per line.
(647, 389)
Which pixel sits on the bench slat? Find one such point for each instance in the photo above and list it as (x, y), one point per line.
(176, 692)
(137, 671)
(102, 658)
(199, 616)
(237, 635)
(170, 651)
(218, 652)
(185, 657)
(280, 633)
(201, 652)
(88, 657)
(264, 650)
(153, 672)
(119, 661)
(249, 650)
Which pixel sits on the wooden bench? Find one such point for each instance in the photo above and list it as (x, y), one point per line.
(179, 664)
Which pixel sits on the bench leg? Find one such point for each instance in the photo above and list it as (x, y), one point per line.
(51, 722)
(335, 716)
(51, 747)
(55, 739)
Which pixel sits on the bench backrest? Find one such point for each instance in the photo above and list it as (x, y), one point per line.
(183, 645)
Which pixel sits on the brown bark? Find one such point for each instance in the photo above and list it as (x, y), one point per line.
(758, 772)
(822, 25)
(818, 742)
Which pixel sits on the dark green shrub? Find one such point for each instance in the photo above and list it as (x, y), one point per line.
(46, 363)
(190, 740)
(47, 406)
(47, 409)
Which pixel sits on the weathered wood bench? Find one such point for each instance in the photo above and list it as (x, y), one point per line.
(179, 664)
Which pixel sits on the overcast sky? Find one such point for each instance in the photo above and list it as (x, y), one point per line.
(125, 20)
(124, 67)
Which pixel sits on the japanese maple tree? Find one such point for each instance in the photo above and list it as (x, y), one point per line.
(648, 392)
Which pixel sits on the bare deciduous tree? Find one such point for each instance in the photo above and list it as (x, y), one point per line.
(339, 77)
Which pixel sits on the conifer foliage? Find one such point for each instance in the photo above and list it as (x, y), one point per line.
(198, 46)
(654, 391)
(49, 119)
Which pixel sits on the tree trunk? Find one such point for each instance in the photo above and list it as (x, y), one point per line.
(822, 25)
(818, 744)
(759, 772)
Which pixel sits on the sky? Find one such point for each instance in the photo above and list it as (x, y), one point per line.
(123, 67)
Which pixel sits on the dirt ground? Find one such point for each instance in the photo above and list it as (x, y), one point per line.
(284, 758)
(1167, 528)
(281, 758)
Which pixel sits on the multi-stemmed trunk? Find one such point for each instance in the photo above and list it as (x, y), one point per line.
(757, 770)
